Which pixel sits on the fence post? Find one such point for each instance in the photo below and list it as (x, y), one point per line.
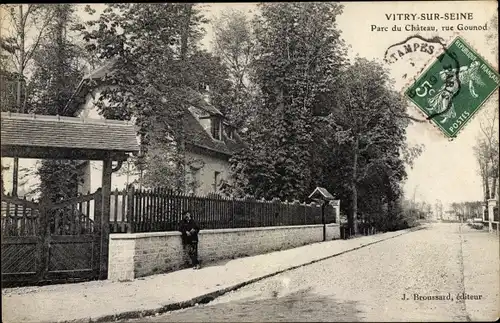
(130, 209)
(97, 228)
(233, 214)
(323, 219)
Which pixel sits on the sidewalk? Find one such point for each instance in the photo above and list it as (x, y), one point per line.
(481, 271)
(107, 301)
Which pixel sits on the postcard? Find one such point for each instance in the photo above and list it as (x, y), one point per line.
(250, 162)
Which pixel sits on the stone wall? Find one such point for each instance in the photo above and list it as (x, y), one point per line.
(141, 254)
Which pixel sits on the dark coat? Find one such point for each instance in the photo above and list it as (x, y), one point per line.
(189, 226)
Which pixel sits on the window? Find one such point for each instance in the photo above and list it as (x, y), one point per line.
(216, 180)
(203, 87)
(229, 132)
(216, 128)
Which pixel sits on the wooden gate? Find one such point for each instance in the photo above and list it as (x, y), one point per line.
(51, 242)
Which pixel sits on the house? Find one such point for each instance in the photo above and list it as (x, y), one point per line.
(211, 141)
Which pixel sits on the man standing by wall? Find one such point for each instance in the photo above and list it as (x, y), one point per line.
(189, 230)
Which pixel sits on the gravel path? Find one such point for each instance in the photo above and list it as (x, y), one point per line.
(365, 285)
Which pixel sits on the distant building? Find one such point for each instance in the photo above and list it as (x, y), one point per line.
(450, 215)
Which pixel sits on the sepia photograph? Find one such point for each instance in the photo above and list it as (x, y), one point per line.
(250, 162)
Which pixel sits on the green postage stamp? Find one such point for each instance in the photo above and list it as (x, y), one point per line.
(454, 87)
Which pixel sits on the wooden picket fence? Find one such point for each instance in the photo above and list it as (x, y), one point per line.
(159, 209)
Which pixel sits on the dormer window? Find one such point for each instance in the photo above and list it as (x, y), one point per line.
(203, 87)
(216, 128)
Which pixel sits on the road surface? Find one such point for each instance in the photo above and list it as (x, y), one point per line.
(447, 272)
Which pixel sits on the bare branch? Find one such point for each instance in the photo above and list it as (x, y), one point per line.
(31, 51)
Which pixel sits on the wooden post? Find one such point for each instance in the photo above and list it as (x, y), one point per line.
(323, 219)
(97, 228)
(107, 170)
(130, 209)
(44, 240)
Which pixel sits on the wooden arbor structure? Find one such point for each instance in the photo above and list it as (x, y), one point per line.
(67, 240)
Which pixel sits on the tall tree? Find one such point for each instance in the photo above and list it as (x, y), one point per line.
(56, 69)
(487, 152)
(23, 20)
(299, 53)
(366, 125)
(234, 43)
(157, 72)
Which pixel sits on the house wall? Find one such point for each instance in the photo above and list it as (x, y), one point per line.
(93, 177)
(205, 176)
(141, 254)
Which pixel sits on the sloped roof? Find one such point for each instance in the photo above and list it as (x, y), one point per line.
(198, 101)
(322, 192)
(70, 133)
(102, 71)
(201, 138)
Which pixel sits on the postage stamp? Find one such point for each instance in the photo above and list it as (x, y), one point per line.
(454, 87)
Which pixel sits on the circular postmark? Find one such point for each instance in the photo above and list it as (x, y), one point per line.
(448, 73)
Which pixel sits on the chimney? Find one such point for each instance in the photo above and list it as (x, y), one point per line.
(206, 94)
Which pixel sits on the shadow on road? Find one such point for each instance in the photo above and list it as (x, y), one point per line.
(300, 306)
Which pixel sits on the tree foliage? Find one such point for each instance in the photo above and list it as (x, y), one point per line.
(322, 121)
(235, 44)
(157, 71)
(48, 65)
(299, 52)
(468, 210)
(486, 152)
(25, 28)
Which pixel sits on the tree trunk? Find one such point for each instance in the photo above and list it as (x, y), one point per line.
(15, 170)
(185, 30)
(498, 208)
(487, 187)
(354, 188)
(180, 142)
(494, 188)
(60, 25)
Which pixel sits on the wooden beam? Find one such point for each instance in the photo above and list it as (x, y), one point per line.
(61, 153)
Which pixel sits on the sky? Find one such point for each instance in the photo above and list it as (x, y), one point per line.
(446, 170)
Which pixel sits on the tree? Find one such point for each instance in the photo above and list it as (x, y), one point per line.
(234, 43)
(56, 68)
(27, 26)
(299, 51)
(22, 21)
(438, 209)
(366, 124)
(156, 72)
(487, 154)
